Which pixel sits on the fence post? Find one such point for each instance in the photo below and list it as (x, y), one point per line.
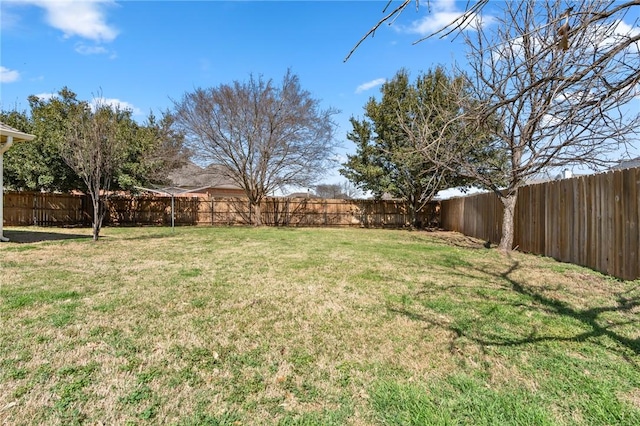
(34, 220)
(213, 210)
(287, 217)
(325, 202)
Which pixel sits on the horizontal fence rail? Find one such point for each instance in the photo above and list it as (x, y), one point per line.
(586, 220)
(46, 209)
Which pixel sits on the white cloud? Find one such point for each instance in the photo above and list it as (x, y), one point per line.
(82, 18)
(626, 29)
(8, 76)
(85, 49)
(112, 102)
(46, 96)
(433, 22)
(370, 85)
(115, 103)
(441, 14)
(620, 33)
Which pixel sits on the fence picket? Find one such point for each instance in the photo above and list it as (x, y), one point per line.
(587, 220)
(46, 209)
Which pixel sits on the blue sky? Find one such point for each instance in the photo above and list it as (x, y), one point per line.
(143, 54)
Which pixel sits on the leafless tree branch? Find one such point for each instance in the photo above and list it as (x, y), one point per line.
(389, 17)
(545, 107)
(265, 136)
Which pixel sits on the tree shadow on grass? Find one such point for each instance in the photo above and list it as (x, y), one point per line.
(22, 237)
(459, 240)
(587, 317)
(590, 320)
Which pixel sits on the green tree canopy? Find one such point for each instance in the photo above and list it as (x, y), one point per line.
(37, 165)
(387, 159)
(152, 149)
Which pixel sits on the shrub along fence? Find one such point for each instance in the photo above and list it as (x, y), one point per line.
(45, 209)
(589, 220)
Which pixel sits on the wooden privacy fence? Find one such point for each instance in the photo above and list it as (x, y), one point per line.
(45, 209)
(590, 220)
(274, 211)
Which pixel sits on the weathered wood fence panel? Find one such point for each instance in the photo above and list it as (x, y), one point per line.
(587, 220)
(479, 216)
(145, 210)
(46, 209)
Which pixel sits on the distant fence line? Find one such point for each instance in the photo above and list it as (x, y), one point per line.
(47, 209)
(589, 220)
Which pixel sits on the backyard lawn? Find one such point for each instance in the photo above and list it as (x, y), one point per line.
(252, 326)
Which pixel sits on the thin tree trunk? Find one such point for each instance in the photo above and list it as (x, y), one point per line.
(257, 216)
(412, 215)
(412, 203)
(417, 223)
(96, 217)
(508, 222)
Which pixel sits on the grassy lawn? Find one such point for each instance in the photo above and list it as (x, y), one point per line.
(249, 326)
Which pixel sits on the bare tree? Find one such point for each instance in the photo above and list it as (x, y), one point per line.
(329, 190)
(267, 137)
(546, 106)
(94, 146)
(349, 190)
(343, 190)
(462, 21)
(468, 17)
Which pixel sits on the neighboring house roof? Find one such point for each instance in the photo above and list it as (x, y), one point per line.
(565, 174)
(193, 176)
(627, 164)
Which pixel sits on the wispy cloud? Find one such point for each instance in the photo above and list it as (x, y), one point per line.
(116, 103)
(8, 75)
(81, 18)
(370, 85)
(99, 101)
(85, 49)
(621, 32)
(46, 96)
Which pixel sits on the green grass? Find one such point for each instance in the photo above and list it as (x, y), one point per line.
(252, 326)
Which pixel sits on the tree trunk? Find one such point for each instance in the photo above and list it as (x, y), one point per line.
(412, 205)
(97, 221)
(257, 216)
(508, 222)
(417, 223)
